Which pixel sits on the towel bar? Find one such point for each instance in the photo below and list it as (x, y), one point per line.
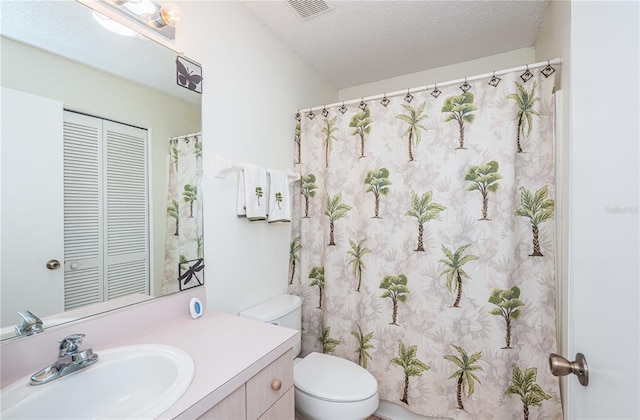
(224, 166)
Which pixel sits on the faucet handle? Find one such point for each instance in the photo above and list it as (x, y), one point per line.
(31, 324)
(69, 345)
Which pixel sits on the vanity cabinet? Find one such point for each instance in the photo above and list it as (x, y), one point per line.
(267, 395)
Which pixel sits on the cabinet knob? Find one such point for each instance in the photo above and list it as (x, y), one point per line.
(276, 384)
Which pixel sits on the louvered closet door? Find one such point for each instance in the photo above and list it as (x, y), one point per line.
(83, 217)
(127, 233)
(105, 201)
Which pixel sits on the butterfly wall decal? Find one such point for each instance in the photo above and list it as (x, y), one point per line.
(189, 74)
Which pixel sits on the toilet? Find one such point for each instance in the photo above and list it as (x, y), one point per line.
(326, 387)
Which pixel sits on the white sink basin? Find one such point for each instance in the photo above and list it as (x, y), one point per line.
(129, 382)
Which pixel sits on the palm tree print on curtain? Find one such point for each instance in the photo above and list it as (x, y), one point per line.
(328, 344)
(317, 279)
(364, 346)
(184, 237)
(423, 209)
(336, 209)
(411, 365)
(524, 385)
(413, 118)
(454, 272)
(294, 255)
(508, 307)
(396, 289)
(538, 208)
(484, 178)
(361, 123)
(460, 108)
(355, 280)
(526, 101)
(328, 130)
(465, 375)
(308, 190)
(357, 252)
(377, 182)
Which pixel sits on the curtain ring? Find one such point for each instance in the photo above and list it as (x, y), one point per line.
(362, 105)
(325, 113)
(436, 92)
(343, 108)
(526, 75)
(311, 115)
(549, 70)
(494, 80)
(465, 86)
(385, 101)
(408, 97)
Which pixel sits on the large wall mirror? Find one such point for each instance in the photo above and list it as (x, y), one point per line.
(56, 52)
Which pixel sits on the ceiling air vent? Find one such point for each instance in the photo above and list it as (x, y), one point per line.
(308, 9)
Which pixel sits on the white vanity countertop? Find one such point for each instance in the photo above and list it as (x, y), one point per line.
(227, 351)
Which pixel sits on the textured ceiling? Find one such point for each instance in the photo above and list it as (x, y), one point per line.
(66, 28)
(356, 42)
(359, 42)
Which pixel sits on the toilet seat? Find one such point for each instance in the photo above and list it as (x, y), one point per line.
(333, 379)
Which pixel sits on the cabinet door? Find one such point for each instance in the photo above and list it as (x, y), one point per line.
(231, 408)
(271, 383)
(283, 409)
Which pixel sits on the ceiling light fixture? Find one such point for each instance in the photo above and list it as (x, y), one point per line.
(112, 25)
(141, 7)
(142, 16)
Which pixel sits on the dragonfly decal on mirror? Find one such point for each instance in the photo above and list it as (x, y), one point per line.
(191, 272)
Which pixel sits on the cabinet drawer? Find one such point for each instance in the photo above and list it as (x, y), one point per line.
(283, 409)
(231, 408)
(263, 390)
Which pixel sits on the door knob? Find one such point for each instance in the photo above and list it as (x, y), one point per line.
(53, 264)
(561, 367)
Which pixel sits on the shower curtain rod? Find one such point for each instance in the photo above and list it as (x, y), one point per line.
(555, 61)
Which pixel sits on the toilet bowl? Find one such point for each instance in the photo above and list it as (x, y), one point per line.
(326, 387)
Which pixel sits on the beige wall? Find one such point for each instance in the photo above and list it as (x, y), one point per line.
(85, 89)
(484, 65)
(253, 86)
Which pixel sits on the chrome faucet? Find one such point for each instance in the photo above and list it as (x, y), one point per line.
(31, 324)
(70, 359)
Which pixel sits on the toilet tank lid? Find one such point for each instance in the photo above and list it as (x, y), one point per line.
(273, 309)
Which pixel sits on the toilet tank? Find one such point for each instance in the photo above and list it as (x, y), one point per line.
(283, 310)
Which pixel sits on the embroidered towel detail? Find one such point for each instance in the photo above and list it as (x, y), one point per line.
(279, 197)
(241, 207)
(255, 192)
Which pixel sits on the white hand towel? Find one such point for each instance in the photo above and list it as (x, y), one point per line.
(241, 206)
(279, 197)
(255, 192)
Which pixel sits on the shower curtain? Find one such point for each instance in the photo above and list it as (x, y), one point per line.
(183, 260)
(423, 245)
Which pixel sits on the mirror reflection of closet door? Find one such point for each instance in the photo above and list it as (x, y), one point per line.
(106, 223)
(32, 207)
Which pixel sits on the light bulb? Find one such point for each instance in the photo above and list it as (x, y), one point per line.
(169, 14)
